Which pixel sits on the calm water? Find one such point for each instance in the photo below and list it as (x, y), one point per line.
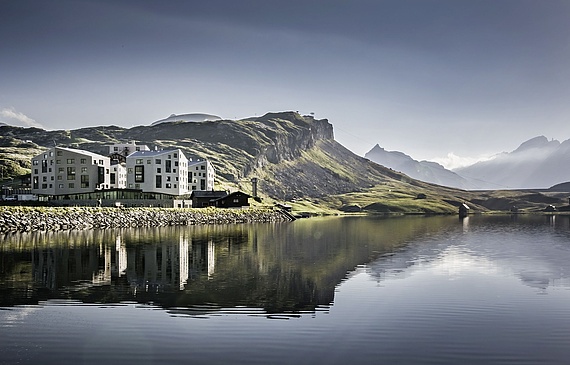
(411, 290)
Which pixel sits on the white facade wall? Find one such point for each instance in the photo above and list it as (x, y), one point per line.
(201, 175)
(158, 171)
(60, 171)
(126, 149)
(118, 176)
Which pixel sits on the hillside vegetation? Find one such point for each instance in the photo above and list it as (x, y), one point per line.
(295, 158)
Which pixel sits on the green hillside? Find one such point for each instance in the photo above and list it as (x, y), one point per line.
(295, 158)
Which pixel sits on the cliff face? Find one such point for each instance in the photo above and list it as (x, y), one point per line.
(292, 155)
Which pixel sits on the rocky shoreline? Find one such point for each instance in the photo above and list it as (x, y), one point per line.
(25, 219)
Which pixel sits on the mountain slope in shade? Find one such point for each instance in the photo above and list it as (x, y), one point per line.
(536, 164)
(421, 170)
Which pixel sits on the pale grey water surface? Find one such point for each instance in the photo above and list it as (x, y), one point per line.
(343, 290)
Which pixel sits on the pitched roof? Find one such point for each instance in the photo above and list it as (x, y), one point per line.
(233, 194)
(212, 194)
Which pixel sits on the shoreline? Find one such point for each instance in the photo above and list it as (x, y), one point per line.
(27, 219)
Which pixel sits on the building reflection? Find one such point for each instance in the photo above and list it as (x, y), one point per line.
(145, 267)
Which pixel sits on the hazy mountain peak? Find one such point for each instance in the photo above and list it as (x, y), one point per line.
(427, 171)
(536, 142)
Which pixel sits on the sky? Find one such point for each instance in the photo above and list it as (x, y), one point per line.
(451, 81)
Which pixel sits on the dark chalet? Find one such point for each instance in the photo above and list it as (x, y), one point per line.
(219, 199)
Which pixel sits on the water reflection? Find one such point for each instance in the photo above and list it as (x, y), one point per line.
(534, 249)
(280, 268)
(270, 268)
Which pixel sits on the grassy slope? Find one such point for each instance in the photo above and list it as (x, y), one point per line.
(292, 161)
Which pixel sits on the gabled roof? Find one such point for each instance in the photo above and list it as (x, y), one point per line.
(212, 194)
(235, 193)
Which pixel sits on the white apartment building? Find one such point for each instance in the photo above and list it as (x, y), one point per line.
(163, 172)
(118, 176)
(126, 149)
(201, 175)
(61, 171)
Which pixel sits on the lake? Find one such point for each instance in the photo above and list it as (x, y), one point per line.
(339, 290)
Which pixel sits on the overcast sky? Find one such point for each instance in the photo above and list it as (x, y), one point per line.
(424, 77)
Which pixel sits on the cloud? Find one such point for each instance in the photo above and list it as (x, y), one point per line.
(452, 161)
(12, 117)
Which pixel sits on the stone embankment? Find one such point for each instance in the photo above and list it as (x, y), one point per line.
(24, 219)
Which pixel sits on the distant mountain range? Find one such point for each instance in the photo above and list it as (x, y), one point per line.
(536, 164)
(421, 170)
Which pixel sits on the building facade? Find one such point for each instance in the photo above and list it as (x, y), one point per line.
(164, 172)
(201, 175)
(126, 149)
(62, 171)
(118, 176)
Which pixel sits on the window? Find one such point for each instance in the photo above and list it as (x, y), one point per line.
(176, 155)
(83, 161)
(100, 162)
(203, 167)
(116, 149)
(113, 178)
(70, 161)
(44, 178)
(137, 186)
(168, 178)
(158, 170)
(168, 185)
(83, 170)
(50, 153)
(71, 185)
(59, 153)
(157, 161)
(44, 166)
(58, 162)
(35, 183)
(139, 161)
(148, 162)
(158, 181)
(35, 162)
(137, 148)
(71, 173)
(59, 177)
(44, 186)
(169, 157)
(175, 163)
(60, 186)
(36, 171)
(130, 170)
(60, 170)
(168, 166)
(139, 173)
(84, 181)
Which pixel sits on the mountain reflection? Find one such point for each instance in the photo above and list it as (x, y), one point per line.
(276, 268)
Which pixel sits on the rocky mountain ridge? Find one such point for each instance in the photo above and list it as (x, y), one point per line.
(292, 155)
(427, 171)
